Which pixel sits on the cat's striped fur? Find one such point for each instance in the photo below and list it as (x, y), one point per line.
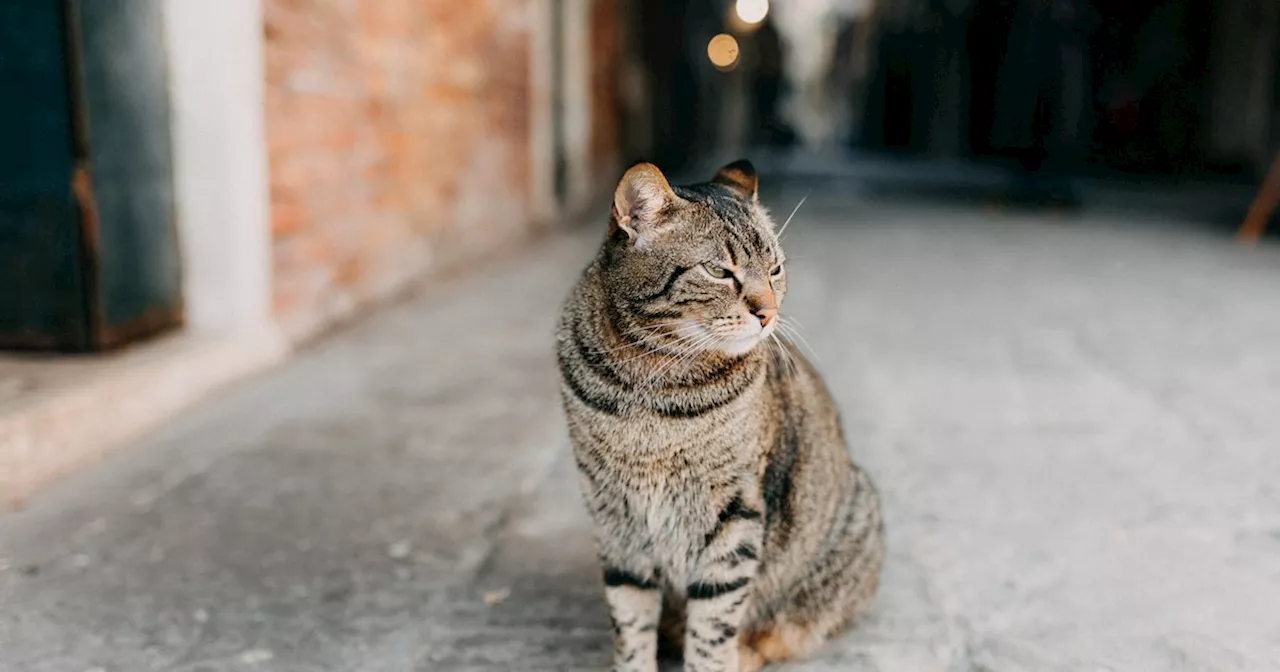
(728, 514)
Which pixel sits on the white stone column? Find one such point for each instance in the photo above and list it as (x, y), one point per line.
(217, 80)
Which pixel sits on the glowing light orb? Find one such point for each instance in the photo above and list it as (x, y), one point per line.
(752, 11)
(723, 51)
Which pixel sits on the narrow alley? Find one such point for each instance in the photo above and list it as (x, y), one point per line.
(1071, 419)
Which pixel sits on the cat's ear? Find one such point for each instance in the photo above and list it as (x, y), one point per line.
(638, 202)
(739, 176)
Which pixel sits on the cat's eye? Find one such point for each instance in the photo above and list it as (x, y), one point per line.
(777, 270)
(717, 271)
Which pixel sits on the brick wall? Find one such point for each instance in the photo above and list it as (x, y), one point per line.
(398, 136)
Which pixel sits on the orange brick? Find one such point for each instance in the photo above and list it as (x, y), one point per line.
(375, 110)
(287, 218)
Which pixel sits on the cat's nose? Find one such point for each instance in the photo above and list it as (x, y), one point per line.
(766, 315)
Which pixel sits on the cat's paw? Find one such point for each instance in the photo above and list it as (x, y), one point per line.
(749, 660)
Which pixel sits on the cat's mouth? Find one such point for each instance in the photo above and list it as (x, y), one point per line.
(692, 336)
(742, 341)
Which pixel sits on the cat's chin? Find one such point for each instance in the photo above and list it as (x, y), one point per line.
(739, 346)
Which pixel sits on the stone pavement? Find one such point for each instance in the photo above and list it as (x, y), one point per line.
(1075, 424)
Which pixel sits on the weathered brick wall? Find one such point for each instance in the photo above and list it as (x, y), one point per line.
(398, 138)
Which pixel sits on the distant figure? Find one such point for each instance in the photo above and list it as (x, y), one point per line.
(811, 29)
(1042, 94)
(770, 128)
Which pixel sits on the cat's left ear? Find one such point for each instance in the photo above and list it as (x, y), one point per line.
(642, 195)
(739, 176)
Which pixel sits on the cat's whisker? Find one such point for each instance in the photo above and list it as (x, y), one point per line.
(794, 334)
(655, 327)
(629, 344)
(782, 346)
(655, 333)
(788, 359)
(680, 340)
(684, 364)
(787, 223)
(692, 350)
(688, 355)
(683, 345)
(647, 334)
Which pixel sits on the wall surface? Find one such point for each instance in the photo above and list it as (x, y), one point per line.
(399, 143)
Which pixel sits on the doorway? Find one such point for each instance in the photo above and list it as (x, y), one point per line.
(89, 255)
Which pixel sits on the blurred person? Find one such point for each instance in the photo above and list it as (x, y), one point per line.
(813, 104)
(1042, 96)
(768, 85)
(914, 77)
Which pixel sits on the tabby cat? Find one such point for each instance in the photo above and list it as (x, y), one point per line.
(729, 517)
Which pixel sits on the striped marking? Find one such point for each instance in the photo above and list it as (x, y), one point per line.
(746, 552)
(777, 485)
(594, 401)
(709, 591)
(614, 577)
(683, 402)
(666, 287)
(734, 510)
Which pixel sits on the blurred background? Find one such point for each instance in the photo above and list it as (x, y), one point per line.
(384, 139)
(1017, 260)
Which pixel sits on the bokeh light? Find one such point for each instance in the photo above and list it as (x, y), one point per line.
(723, 51)
(752, 11)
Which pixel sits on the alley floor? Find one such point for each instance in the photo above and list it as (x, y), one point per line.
(1074, 421)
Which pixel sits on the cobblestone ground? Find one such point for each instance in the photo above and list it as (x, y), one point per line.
(1075, 423)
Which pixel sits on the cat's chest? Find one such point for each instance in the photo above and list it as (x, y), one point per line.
(668, 480)
(673, 516)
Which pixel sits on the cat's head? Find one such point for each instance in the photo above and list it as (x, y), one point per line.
(696, 267)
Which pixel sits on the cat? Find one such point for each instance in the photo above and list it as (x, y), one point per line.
(729, 518)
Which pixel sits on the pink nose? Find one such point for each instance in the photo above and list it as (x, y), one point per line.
(766, 315)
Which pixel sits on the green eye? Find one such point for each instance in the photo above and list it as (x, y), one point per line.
(717, 271)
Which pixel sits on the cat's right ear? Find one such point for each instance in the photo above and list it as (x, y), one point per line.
(642, 194)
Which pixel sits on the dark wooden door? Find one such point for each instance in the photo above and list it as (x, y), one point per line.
(88, 241)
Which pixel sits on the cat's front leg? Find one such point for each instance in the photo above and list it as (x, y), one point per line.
(635, 606)
(721, 587)
(632, 585)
